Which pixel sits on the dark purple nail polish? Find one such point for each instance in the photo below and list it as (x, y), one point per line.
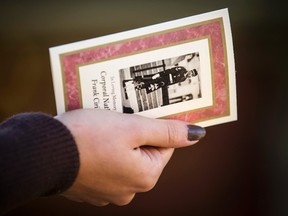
(195, 132)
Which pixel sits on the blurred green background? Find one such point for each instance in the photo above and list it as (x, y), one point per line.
(240, 168)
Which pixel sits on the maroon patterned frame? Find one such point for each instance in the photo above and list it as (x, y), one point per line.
(211, 29)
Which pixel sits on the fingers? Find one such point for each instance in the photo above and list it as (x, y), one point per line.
(119, 200)
(158, 139)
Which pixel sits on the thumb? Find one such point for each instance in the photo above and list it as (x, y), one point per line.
(171, 133)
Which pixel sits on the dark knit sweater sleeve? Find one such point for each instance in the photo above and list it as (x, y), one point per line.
(38, 157)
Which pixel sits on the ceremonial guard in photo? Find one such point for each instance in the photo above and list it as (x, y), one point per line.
(164, 78)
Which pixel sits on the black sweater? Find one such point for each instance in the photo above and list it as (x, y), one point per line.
(38, 157)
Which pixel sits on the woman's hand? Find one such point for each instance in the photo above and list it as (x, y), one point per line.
(122, 154)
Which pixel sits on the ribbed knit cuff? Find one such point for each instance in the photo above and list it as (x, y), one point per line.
(39, 157)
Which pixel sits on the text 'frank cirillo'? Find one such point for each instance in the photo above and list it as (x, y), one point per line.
(104, 96)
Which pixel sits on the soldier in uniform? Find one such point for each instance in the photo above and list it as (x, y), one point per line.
(164, 78)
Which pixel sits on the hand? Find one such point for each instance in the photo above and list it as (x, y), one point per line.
(122, 154)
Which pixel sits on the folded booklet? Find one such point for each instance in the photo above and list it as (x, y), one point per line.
(182, 69)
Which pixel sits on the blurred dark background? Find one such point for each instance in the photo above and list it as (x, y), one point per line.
(240, 168)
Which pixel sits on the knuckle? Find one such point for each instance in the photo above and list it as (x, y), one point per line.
(147, 183)
(100, 204)
(124, 200)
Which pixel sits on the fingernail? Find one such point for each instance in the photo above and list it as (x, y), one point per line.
(195, 132)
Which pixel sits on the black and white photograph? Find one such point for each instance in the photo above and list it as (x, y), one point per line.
(161, 83)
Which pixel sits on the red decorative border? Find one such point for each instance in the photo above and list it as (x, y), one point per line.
(212, 29)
